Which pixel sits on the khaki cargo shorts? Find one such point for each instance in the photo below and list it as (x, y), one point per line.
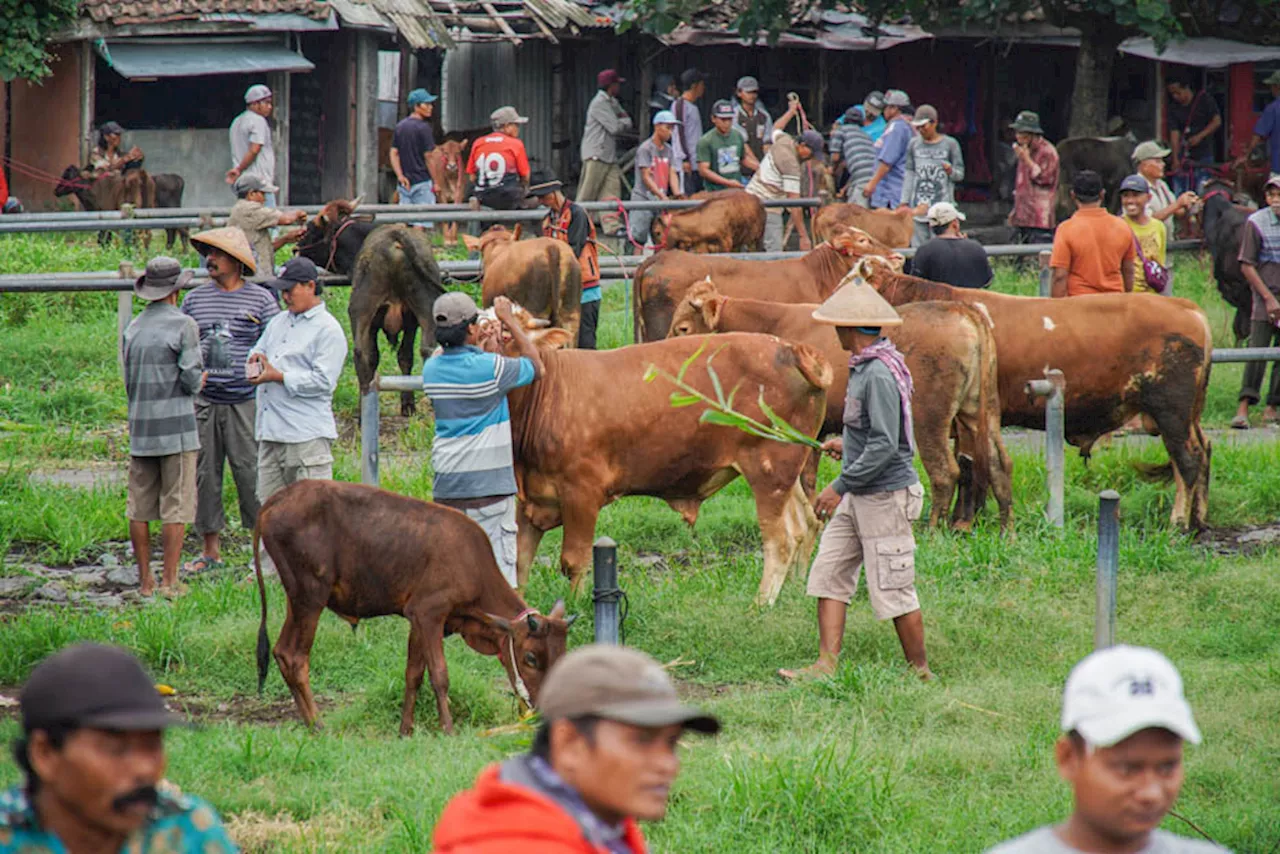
(871, 531)
(163, 489)
(283, 463)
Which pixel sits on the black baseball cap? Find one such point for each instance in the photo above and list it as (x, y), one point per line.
(93, 686)
(296, 271)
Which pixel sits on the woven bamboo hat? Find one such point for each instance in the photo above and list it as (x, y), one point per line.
(857, 304)
(230, 240)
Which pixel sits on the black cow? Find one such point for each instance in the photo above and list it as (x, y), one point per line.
(1109, 156)
(394, 282)
(169, 189)
(1224, 224)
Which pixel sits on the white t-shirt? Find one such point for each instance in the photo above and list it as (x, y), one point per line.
(250, 128)
(1044, 841)
(1161, 198)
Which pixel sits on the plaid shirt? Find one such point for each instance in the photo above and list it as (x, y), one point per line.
(1037, 183)
(162, 367)
(178, 824)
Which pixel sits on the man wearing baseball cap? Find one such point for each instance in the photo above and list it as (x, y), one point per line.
(1260, 263)
(934, 165)
(693, 85)
(884, 190)
(605, 756)
(779, 177)
(950, 257)
(295, 366)
(92, 752)
(471, 455)
(1124, 723)
(1093, 251)
(251, 215)
(752, 119)
(873, 108)
(498, 166)
(606, 121)
(722, 152)
(252, 151)
(411, 142)
(656, 175)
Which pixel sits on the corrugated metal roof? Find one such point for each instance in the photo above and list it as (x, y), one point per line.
(154, 59)
(159, 11)
(446, 23)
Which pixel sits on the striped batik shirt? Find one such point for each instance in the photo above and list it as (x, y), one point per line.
(230, 322)
(162, 367)
(471, 453)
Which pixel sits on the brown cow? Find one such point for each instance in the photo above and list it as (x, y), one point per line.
(728, 221)
(539, 274)
(952, 357)
(1121, 355)
(892, 228)
(363, 552)
(661, 281)
(448, 178)
(591, 430)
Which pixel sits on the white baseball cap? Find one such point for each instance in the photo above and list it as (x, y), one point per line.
(1116, 692)
(942, 213)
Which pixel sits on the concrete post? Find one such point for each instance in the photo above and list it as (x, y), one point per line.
(1104, 628)
(365, 135)
(369, 418)
(1046, 274)
(1054, 388)
(606, 594)
(279, 81)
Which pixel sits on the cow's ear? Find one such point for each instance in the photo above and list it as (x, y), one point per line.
(493, 621)
(557, 610)
(515, 232)
(472, 243)
(551, 339)
(711, 308)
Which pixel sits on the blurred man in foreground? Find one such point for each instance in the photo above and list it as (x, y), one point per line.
(92, 751)
(1124, 721)
(604, 757)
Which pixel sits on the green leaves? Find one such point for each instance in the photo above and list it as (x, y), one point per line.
(25, 29)
(720, 409)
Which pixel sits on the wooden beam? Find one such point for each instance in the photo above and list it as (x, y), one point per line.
(506, 28)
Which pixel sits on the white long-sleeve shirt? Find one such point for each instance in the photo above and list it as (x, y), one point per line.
(309, 349)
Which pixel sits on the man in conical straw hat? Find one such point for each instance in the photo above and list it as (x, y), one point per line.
(870, 506)
(231, 314)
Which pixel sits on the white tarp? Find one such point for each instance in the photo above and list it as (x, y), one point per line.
(1202, 53)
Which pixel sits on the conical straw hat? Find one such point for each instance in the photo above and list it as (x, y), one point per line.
(230, 240)
(857, 304)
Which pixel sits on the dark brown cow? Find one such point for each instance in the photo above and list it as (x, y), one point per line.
(363, 552)
(893, 228)
(728, 221)
(952, 357)
(540, 274)
(1121, 355)
(112, 192)
(592, 430)
(1224, 223)
(662, 280)
(1109, 156)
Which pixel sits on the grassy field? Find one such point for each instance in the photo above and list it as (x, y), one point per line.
(870, 761)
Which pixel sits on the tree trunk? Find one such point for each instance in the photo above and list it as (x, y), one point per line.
(1099, 41)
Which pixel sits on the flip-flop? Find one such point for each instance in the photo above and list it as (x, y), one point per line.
(1240, 422)
(202, 564)
(1270, 420)
(805, 674)
(174, 592)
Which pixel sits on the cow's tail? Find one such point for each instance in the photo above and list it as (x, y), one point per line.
(423, 265)
(264, 645)
(556, 269)
(637, 314)
(985, 442)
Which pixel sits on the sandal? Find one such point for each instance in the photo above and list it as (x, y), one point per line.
(1270, 420)
(174, 592)
(202, 564)
(1240, 422)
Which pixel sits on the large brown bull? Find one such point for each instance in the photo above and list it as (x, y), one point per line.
(728, 221)
(591, 430)
(952, 357)
(1121, 355)
(363, 552)
(662, 280)
(893, 228)
(540, 274)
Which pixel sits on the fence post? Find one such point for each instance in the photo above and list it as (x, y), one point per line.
(369, 417)
(1054, 388)
(1104, 627)
(1046, 274)
(124, 309)
(606, 595)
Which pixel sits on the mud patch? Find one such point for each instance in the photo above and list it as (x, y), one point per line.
(1241, 541)
(104, 475)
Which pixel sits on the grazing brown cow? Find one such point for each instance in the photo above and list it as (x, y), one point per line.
(952, 357)
(591, 430)
(448, 178)
(363, 552)
(662, 280)
(539, 274)
(892, 228)
(1121, 355)
(728, 221)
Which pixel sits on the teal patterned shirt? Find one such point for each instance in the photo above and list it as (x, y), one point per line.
(179, 824)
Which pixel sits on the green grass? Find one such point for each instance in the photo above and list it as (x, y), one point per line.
(870, 761)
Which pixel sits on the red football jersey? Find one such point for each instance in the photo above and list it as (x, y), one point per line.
(497, 158)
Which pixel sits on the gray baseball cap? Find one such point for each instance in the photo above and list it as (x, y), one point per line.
(246, 184)
(255, 93)
(748, 84)
(1150, 150)
(897, 98)
(924, 114)
(874, 100)
(453, 308)
(618, 684)
(506, 116)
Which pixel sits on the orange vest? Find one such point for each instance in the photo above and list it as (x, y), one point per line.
(558, 228)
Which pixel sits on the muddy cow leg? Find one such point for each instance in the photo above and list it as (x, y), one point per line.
(1001, 476)
(788, 526)
(404, 357)
(1187, 455)
(293, 655)
(580, 512)
(361, 311)
(528, 537)
(415, 666)
(933, 442)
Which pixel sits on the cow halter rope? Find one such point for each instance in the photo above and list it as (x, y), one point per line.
(521, 689)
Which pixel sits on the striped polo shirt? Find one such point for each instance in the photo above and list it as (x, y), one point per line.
(161, 376)
(468, 388)
(230, 324)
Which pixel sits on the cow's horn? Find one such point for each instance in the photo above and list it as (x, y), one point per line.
(557, 610)
(570, 620)
(355, 203)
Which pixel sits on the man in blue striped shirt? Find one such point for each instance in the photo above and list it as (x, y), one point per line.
(472, 454)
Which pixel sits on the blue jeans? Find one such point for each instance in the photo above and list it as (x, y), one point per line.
(1184, 180)
(422, 193)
